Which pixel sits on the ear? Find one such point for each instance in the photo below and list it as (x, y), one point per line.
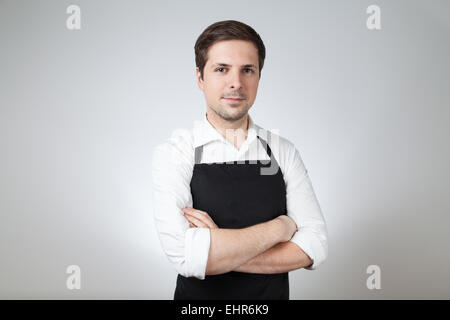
(199, 79)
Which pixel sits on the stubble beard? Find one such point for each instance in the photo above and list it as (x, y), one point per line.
(221, 112)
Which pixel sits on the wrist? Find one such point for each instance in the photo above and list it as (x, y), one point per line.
(279, 229)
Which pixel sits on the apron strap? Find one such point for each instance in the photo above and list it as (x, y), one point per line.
(267, 148)
(198, 154)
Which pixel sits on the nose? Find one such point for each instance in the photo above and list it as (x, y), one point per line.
(235, 81)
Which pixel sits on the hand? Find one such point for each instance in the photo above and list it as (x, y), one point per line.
(198, 218)
(289, 226)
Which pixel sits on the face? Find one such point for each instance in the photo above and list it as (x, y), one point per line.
(231, 71)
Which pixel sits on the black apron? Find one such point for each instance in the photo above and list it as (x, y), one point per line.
(236, 195)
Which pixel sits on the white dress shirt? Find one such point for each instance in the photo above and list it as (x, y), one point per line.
(173, 161)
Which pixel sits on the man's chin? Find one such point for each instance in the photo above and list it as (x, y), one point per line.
(230, 113)
(234, 116)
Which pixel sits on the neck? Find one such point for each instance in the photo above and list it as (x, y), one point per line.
(233, 131)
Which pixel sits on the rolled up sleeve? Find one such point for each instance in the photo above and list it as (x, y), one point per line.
(303, 207)
(186, 248)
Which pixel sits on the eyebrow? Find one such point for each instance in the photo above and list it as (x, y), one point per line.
(227, 65)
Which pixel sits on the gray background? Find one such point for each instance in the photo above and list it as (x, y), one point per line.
(80, 112)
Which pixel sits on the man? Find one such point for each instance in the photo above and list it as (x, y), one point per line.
(232, 227)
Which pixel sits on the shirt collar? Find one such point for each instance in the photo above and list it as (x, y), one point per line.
(204, 132)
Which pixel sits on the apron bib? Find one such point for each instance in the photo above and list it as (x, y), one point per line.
(236, 195)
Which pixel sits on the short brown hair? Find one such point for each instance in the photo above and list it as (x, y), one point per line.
(226, 30)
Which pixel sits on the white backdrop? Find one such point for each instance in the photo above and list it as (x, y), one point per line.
(81, 110)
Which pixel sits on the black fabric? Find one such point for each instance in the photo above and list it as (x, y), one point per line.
(236, 195)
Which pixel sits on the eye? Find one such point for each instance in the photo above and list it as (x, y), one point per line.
(251, 70)
(220, 69)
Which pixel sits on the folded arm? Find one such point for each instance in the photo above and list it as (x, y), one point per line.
(253, 249)
(282, 257)
(309, 246)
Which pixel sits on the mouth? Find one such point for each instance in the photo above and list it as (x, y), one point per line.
(234, 99)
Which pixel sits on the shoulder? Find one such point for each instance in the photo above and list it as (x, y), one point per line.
(283, 149)
(177, 148)
(279, 145)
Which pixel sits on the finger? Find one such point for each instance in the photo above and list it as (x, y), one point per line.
(200, 215)
(204, 218)
(199, 223)
(185, 212)
(192, 211)
(189, 219)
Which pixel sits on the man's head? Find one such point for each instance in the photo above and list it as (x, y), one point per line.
(229, 56)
